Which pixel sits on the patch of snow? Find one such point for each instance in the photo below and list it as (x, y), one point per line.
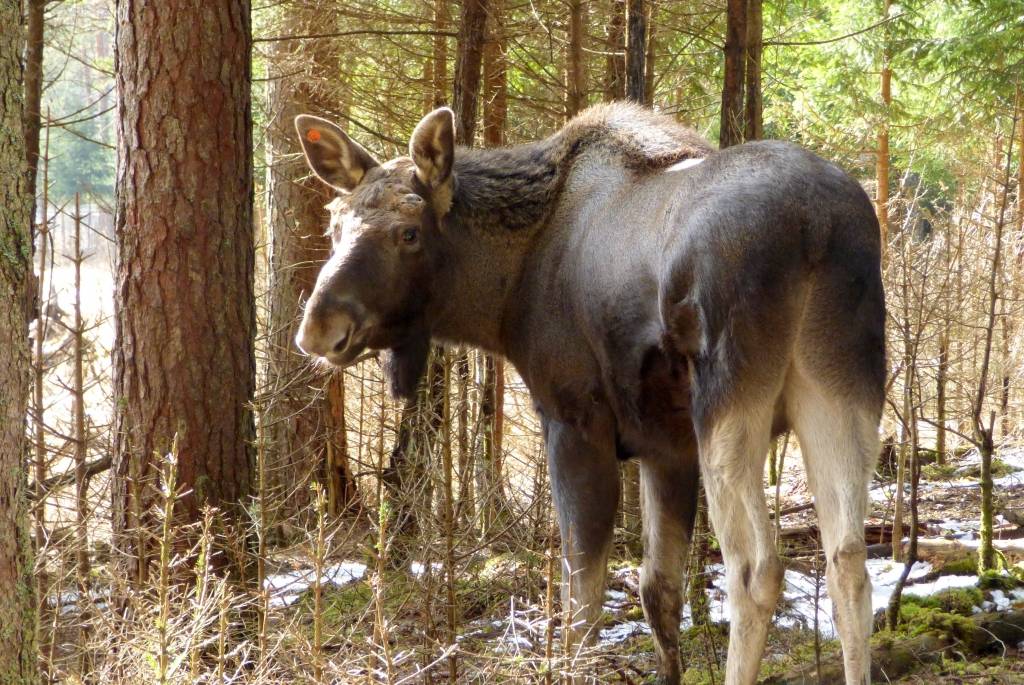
(418, 568)
(286, 588)
(623, 631)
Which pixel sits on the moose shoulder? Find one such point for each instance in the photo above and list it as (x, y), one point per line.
(661, 300)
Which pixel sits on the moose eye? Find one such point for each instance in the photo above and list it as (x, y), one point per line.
(410, 235)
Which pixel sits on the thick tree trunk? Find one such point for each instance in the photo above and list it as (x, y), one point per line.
(753, 128)
(495, 79)
(17, 592)
(299, 413)
(731, 122)
(35, 15)
(636, 50)
(466, 90)
(575, 78)
(615, 66)
(185, 319)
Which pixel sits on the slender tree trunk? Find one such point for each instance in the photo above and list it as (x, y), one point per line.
(940, 396)
(731, 122)
(406, 478)
(440, 56)
(649, 61)
(636, 50)
(753, 104)
(882, 162)
(185, 318)
(983, 433)
(17, 592)
(300, 407)
(466, 90)
(615, 66)
(490, 477)
(576, 86)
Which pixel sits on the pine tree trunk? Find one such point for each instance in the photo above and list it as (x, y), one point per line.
(882, 162)
(649, 60)
(185, 315)
(753, 104)
(299, 410)
(636, 50)
(940, 396)
(440, 54)
(576, 87)
(491, 497)
(35, 20)
(495, 79)
(615, 65)
(731, 122)
(466, 90)
(17, 591)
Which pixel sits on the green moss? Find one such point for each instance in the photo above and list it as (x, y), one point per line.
(945, 471)
(958, 601)
(995, 580)
(967, 566)
(999, 469)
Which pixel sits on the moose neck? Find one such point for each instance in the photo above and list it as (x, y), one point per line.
(502, 200)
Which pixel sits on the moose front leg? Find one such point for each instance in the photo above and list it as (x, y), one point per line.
(585, 484)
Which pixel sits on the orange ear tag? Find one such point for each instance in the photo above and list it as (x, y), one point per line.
(312, 135)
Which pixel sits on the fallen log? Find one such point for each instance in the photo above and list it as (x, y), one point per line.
(941, 552)
(892, 658)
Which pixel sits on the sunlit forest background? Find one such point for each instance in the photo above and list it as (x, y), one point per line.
(355, 539)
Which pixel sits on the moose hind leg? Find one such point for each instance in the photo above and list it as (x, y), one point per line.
(585, 484)
(669, 504)
(733, 445)
(839, 441)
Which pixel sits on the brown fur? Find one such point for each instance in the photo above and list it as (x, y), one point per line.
(652, 309)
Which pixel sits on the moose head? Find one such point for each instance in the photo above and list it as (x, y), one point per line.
(386, 246)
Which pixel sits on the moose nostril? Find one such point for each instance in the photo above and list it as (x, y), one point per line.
(342, 343)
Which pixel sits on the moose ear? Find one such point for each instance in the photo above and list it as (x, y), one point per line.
(432, 147)
(335, 158)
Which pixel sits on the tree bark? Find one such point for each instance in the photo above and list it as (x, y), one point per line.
(882, 162)
(731, 122)
(492, 501)
(440, 56)
(468, 58)
(35, 20)
(185, 314)
(495, 79)
(17, 592)
(576, 86)
(649, 60)
(299, 409)
(753, 128)
(615, 66)
(636, 50)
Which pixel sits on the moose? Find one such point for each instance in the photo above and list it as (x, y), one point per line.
(662, 300)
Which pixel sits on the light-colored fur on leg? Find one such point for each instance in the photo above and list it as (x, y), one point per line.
(733, 449)
(839, 442)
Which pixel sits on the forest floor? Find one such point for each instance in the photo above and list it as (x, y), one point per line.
(503, 635)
